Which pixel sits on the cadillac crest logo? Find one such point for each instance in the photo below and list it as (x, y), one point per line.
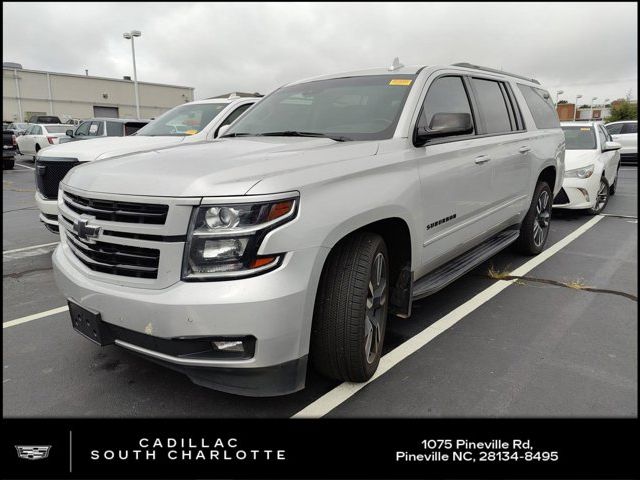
(33, 452)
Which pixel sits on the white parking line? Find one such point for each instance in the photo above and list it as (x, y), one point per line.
(35, 316)
(4, 252)
(344, 391)
(23, 166)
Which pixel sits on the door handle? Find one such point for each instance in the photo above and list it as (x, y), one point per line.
(524, 149)
(482, 159)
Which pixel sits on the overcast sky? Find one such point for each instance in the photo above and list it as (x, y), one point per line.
(581, 48)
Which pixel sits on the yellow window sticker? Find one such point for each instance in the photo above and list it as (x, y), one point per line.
(400, 81)
(191, 132)
(585, 129)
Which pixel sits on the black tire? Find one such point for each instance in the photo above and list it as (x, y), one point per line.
(614, 185)
(340, 347)
(8, 163)
(531, 241)
(602, 197)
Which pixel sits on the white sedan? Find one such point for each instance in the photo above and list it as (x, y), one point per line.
(39, 136)
(625, 132)
(591, 161)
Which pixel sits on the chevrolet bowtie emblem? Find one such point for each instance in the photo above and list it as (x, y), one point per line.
(84, 231)
(33, 452)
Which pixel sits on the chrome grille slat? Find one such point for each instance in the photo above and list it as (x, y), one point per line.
(116, 211)
(113, 258)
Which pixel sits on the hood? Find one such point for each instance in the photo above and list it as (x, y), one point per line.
(106, 147)
(579, 158)
(229, 166)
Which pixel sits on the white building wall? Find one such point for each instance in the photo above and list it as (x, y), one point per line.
(74, 96)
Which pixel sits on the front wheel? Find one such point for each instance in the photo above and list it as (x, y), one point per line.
(535, 226)
(602, 198)
(351, 309)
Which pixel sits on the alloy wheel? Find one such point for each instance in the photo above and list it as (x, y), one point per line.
(542, 220)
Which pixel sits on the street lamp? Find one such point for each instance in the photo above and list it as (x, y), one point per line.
(129, 36)
(592, 100)
(558, 93)
(575, 110)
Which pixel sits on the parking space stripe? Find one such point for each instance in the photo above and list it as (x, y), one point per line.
(23, 166)
(4, 252)
(344, 391)
(35, 316)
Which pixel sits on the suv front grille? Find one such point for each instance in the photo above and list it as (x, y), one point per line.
(49, 173)
(115, 211)
(114, 258)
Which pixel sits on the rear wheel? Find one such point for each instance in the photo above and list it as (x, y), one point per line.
(7, 164)
(602, 198)
(351, 309)
(535, 226)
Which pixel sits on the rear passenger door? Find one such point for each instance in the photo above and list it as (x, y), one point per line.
(503, 135)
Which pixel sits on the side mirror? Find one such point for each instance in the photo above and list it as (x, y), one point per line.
(222, 130)
(609, 146)
(444, 125)
(69, 133)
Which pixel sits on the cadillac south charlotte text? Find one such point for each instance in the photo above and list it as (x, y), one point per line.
(188, 449)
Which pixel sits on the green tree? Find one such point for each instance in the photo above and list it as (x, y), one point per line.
(622, 110)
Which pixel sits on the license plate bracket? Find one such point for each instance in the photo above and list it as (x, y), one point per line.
(90, 325)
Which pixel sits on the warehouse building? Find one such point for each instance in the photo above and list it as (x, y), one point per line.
(34, 92)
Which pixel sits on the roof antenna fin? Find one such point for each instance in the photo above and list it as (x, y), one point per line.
(396, 65)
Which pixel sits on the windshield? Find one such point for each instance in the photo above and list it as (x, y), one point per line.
(579, 138)
(352, 108)
(183, 120)
(57, 128)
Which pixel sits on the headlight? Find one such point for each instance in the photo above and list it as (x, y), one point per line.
(224, 239)
(584, 172)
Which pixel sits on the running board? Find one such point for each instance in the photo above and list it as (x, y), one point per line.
(447, 273)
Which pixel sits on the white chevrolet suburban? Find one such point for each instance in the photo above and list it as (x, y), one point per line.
(330, 205)
(187, 123)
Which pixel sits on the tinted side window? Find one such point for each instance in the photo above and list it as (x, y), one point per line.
(234, 115)
(114, 129)
(603, 136)
(83, 129)
(630, 128)
(615, 129)
(492, 105)
(37, 130)
(445, 95)
(541, 107)
(132, 127)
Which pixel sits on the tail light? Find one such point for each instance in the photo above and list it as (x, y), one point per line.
(13, 140)
(51, 139)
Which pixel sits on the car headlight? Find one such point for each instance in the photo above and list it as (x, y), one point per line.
(584, 172)
(224, 239)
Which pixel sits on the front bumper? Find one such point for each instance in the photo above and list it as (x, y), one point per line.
(48, 211)
(580, 193)
(276, 308)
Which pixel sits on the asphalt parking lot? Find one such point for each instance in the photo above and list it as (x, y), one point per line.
(533, 349)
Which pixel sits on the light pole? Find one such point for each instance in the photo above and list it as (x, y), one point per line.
(592, 100)
(558, 93)
(575, 110)
(129, 36)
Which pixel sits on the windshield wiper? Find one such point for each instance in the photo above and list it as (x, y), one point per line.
(239, 134)
(294, 133)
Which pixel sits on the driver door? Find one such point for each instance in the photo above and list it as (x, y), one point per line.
(455, 176)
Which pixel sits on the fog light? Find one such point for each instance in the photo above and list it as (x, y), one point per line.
(228, 346)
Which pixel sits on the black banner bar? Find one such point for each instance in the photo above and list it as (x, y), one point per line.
(326, 448)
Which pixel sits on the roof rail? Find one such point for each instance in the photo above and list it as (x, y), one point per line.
(493, 70)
